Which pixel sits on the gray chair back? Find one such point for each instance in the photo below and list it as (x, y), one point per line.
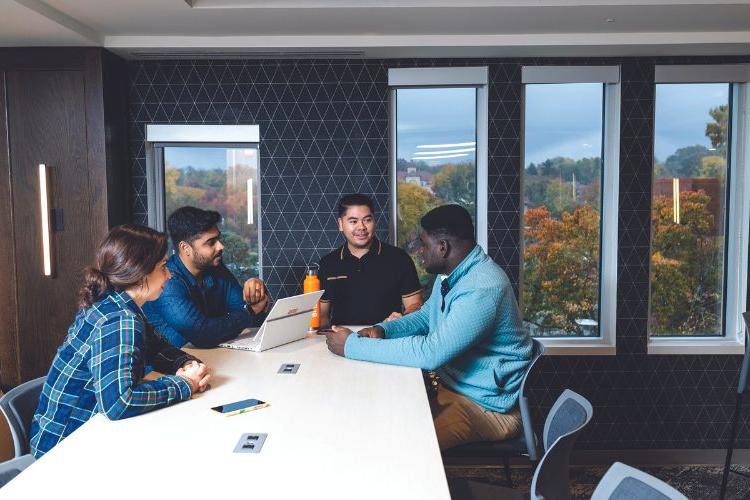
(18, 406)
(622, 482)
(13, 467)
(523, 404)
(565, 421)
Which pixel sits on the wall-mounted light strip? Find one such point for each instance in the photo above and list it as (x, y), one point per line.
(676, 200)
(250, 213)
(44, 211)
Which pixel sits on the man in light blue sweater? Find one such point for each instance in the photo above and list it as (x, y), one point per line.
(469, 331)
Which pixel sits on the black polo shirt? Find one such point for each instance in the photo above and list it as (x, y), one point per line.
(367, 290)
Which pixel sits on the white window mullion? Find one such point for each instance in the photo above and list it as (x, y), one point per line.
(609, 77)
(738, 212)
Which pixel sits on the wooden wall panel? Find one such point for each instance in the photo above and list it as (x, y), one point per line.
(9, 374)
(46, 110)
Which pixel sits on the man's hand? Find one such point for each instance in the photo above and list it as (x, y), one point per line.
(373, 332)
(254, 294)
(336, 340)
(393, 315)
(196, 374)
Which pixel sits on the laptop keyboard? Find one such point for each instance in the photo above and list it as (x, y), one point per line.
(247, 338)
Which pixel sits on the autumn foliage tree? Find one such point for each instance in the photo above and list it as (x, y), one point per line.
(217, 189)
(685, 266)
(561, 267)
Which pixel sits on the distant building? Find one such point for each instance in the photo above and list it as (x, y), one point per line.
(412, 176)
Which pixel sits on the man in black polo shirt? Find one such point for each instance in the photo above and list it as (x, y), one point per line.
(366, 281)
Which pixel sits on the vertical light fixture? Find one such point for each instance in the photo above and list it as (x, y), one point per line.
(44, 211)
(676, 200)
(250, 213)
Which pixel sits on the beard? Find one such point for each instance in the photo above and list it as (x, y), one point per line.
(204, 262)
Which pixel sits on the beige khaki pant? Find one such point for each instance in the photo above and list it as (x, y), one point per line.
(459, 420)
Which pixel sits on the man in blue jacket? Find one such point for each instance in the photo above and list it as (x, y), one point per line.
(469, 331)
(203, 303)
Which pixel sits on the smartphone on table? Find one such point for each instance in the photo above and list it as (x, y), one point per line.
(238, 407)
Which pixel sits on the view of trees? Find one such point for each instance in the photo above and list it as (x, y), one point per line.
(686, 264)
(223, 190)
(560, 293)
(687, 248)
(561, 229)
(561, 238)
(421, 188)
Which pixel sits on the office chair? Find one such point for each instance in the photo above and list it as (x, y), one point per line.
(622, 481)
(517, 446)
(565, 421)
(18, 406)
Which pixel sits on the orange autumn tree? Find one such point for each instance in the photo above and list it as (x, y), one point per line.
(685, 266)
(561, 267)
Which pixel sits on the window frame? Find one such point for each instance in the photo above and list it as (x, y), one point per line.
(413, 78)
(194, 136)
(738, 214)
(609, 76)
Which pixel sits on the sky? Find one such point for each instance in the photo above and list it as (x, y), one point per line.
(436, 117)
(560, 120)
(682, 114)
(201, 158)
(563, 120)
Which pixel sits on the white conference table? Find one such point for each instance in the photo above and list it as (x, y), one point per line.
(337, 429)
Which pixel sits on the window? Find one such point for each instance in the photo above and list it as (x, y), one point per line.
(697, 268)
(186, 169)
(440, 154)
(569, 192)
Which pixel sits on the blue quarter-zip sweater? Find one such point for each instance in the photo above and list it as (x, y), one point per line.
(477, 343)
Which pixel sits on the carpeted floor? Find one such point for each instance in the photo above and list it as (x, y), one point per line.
(696, 482)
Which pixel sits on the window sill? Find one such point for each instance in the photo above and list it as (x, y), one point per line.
(695, 346)
(580, 346)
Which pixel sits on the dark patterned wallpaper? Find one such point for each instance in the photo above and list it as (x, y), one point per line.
(324, 132)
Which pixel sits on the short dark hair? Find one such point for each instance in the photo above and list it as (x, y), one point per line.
(188, 223)
(354, 200)
(449, 221)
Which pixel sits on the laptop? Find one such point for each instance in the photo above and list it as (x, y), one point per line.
(288, 321)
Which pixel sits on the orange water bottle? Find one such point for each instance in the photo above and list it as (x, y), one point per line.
(312, 284)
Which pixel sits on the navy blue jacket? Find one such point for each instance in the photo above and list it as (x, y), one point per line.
(204, 315)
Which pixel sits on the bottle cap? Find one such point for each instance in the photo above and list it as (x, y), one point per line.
(312, 269)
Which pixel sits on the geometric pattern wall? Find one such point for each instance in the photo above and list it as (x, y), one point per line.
(324, 132)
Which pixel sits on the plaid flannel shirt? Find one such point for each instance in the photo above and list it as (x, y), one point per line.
(99, 367)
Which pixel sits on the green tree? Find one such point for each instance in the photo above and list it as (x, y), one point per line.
(413, 202)
(238, 257)
(717, 130)
(712, 167)
(177, 194)
(558, 197)
(685, 162)
(584, 170)
(457, 183)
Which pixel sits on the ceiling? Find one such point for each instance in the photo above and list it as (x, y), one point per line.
(386, 28)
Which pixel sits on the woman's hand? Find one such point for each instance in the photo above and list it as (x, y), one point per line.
(197, 375)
